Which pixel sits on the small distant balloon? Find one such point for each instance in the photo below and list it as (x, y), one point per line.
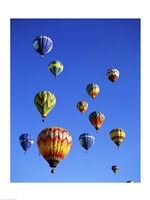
(92, 90)
(42, 44)
(115, 168)
(112, 74)
(82, 106)
(55, 67)
(26, 141)
(130, 181)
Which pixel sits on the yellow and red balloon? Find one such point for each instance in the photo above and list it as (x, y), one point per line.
(54, 143)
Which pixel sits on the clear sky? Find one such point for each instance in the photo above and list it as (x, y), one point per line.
(87, 48)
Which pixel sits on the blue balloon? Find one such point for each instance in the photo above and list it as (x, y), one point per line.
(26, 141)
(86, 140)
(42, 44)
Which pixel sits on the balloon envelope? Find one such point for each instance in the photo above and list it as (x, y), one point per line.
(42, 44)
(92, 90)
(117, 135)
(54, 144)
(115, 168)
(86, 140)
(82, 106)
(44, 102)
(97, 119)
(56, 67)
(112, 74)
(26, 141)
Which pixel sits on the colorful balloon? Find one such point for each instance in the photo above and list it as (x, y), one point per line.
(82, 106)
(112, 74)
(56, 67)
(42, 44)
(115, 168)
(93, 90)
(97, 119)
(117, 135)
(45, 102)
(26, 141)
(54, 144)
(86, 140)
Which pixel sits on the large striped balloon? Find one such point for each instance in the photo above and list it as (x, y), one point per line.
(82, 106)
(117, 135)
(42, 44)
(56, 67)
(54, 144)
(97, 119)
(44, 101)
(92, 90)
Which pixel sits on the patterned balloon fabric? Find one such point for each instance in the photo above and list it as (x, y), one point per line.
(43, 45)
(112, 74)
(82, 106)
(45, 102)
(97, 119)
(117, 135)
(56, 67)
(92, 90)
(54, 144)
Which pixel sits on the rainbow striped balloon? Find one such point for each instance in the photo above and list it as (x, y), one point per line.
(92, 90)
(45, 102)
(54, 143)
(117, 135)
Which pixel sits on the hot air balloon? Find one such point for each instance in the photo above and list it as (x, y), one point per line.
(54, 144)
(82, 106)
(45, 102)
(26, 141)
(97, 119)
(117, 135)
(115, 168)
(112, 74)
(130, 181)
(42, 44)
(56, 67)
(86, 140)
(93, 90)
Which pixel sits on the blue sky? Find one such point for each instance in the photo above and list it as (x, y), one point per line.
(87, 48)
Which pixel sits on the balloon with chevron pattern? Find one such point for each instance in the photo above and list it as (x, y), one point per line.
(54, 143)
(44, 102)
